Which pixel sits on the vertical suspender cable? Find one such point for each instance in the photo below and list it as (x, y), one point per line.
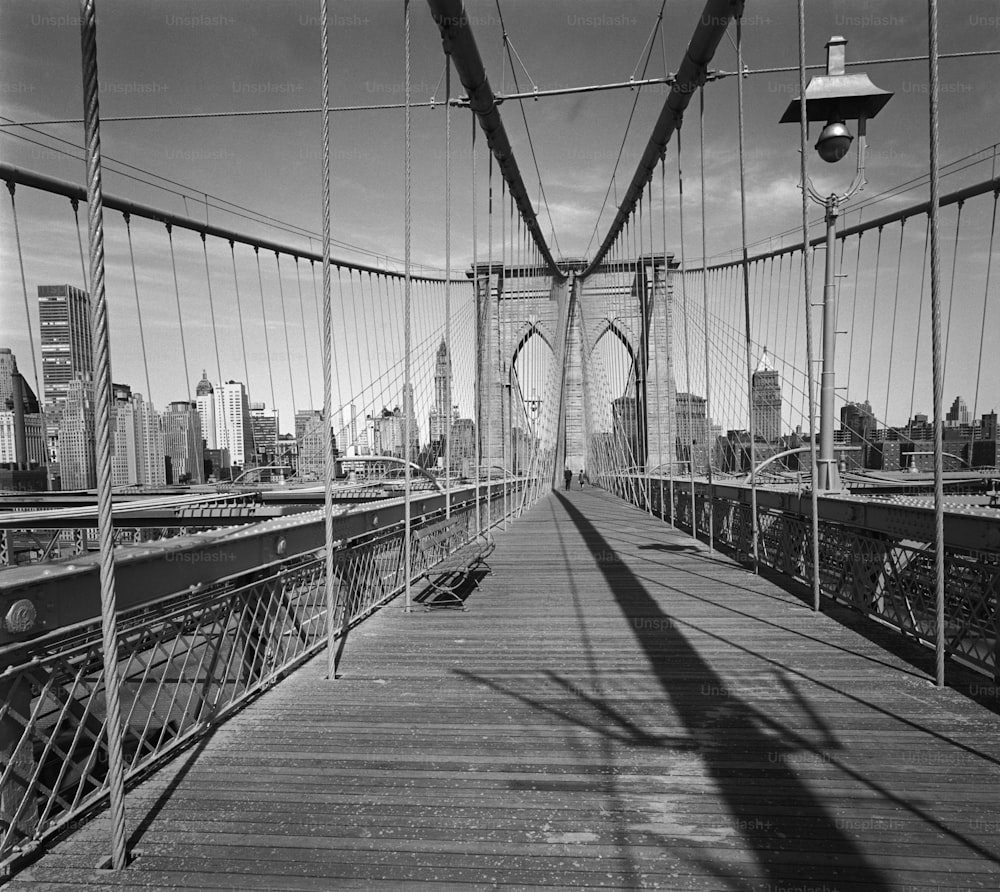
(806, 282)
(138, 309)
(668, 342)
(489, 306)
(746, 286)
(211, 303)
(328, 466)
(687, 341)
(648, 321)
(477, 352)
(704, 304)
(407, 392)
(102, 386)
(288, 350)
(951, 291)
(75, 204)
(239, 313)
(447, 282)
(982, 332)
(24, 287)
(267, 344)
(656, 352)
(305, 337)
(932, 92)
(180, 315)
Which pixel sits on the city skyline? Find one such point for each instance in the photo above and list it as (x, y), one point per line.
(271, 164)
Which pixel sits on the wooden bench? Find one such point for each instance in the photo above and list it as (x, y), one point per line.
(448, 566)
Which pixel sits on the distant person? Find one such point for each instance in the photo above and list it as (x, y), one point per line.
(568, 477)
(582, 477)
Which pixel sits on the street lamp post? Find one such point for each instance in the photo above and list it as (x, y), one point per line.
(835, 98)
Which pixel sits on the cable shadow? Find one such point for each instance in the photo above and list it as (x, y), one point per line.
(727, 731)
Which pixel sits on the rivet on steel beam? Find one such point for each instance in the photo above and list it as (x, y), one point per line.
(20, 616)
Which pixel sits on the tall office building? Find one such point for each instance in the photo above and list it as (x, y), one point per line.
(626, 431)
(264, 426)
(138, 456)
(64, 314)
(441, 416)
(77, 435)
(22, 425)
(958, 414)
(694, 431)
(205, 403)
(312, 463)
(766, 401)
(182, 442)
(233, 428)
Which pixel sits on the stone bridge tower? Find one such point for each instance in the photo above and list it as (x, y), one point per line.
(628, 300)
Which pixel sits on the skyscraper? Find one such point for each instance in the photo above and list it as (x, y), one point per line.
(137, 458)
(694, 431)
(77, 435)
(233, 429)
(67, 348)
(958, 414)
(205, 403)
(264, 426)
(766, 401)
(440, 416)
(182, 442)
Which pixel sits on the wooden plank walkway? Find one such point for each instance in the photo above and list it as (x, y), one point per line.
(618, 708)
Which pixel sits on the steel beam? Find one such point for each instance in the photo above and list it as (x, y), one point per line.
(460, 44)
(57, 595)
(712, 25)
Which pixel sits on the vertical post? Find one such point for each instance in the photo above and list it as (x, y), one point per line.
(102, 370)
(829, 475)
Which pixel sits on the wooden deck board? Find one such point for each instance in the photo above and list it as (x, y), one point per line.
(619, 708)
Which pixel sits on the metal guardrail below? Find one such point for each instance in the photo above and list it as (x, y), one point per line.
(875, 558)
(187, 658)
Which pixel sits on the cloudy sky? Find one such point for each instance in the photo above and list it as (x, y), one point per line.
(172, 56)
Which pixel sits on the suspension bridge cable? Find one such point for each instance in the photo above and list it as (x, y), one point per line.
(267, 343)
(305, 339)
(239, 315)
(920, 314)
(180, 315)
(329, 469)
(102, 368)
(79, 241)
(24, 289)
(746, 292)
(982, 328)
(288, 346)
(621, 148)
(527, 131)
(951, 290)
(447, 286)
(939, 555)
(407, 391)
(138, 309)
(895, 307)
(704, 295)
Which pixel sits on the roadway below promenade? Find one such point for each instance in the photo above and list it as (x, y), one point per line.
(618, 707)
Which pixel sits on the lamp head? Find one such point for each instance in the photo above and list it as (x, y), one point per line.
(834, 141)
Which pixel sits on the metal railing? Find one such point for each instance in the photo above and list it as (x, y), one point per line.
(189, 653)
(875, 557)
